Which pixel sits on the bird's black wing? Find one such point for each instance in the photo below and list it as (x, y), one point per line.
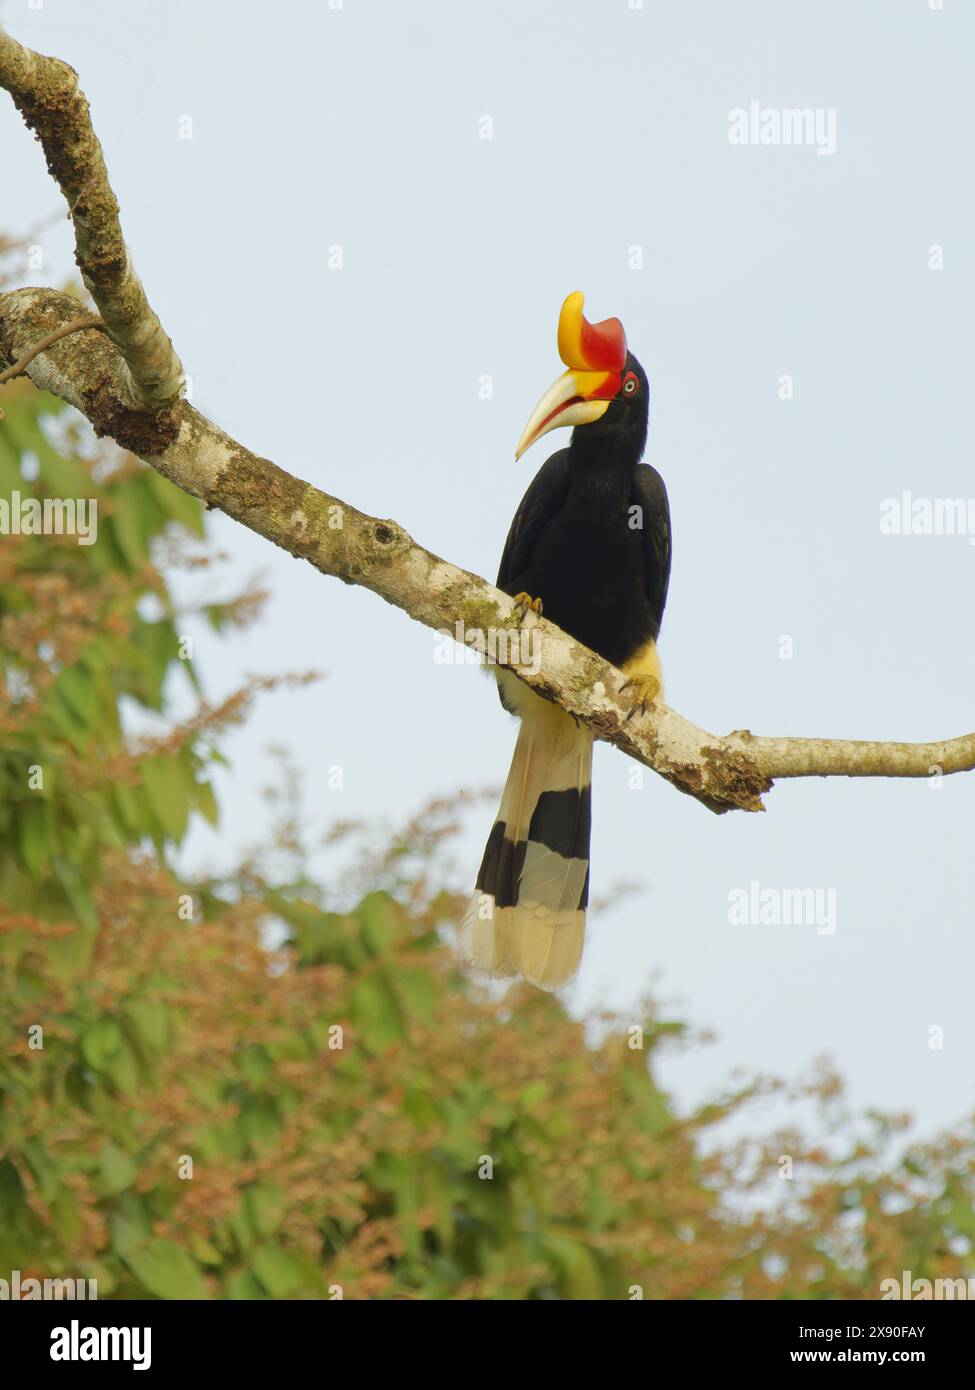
(539, 504)
(650, 494)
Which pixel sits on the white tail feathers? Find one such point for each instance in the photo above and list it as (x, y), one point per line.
(528, 913)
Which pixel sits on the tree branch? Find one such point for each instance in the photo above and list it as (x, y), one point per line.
(90, 371)
(46, 92)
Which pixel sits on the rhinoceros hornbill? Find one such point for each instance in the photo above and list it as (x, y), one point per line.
(589, 547)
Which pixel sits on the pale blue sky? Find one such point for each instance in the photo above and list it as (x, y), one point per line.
(359, 126)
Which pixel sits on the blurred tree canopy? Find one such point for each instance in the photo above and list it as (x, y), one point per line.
(265, 1088)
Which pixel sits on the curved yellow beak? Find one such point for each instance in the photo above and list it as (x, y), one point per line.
(575, 399)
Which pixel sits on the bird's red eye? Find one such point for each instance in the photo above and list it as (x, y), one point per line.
(630, 384)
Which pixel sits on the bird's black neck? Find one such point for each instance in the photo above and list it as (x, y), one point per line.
(600, 465)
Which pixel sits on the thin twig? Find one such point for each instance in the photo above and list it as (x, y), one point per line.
(21, 365)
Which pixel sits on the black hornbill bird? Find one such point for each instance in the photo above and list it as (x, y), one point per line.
(590, 547)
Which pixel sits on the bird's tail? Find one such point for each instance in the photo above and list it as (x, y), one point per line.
(528, 913)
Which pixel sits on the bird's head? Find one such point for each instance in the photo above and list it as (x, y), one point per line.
(605, 387)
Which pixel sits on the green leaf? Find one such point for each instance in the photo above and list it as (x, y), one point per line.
(152, 649)
(126, 527)
(165, 784)
(255, 1066)
(36, 834)
(77, 690)
(276, 1270)
(580, 1269)
(259, 1120)
(419, 988)
(77, 892)
(166, 1270)
(375, 914)
(205, 1251)
(150, 1022)
(177, 504)
(121, 1070)
(130, 807)
(12, 1197)
(243, 1286)
(117, 1168)
(377, 1010)
(42, 1166)
(533, 1095)
(101, 1042)
(128, 1226)
(206, 802)
(420, 1108)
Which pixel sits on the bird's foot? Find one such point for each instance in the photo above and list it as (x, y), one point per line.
(524, 602)
(645, 691)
